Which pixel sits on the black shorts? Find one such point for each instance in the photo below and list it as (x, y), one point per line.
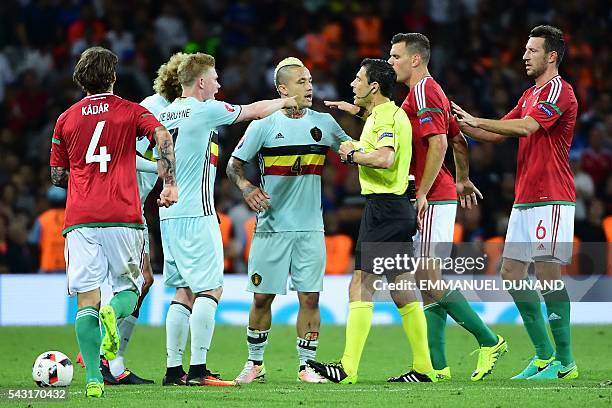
(386, 218)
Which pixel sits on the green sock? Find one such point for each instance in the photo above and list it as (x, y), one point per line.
(460, 310)
(124, 303)
(558, 310)
(87, 326)
(528, 304)
(436, 333)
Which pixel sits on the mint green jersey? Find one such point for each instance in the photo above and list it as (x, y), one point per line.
(291, 155)
(192, 125)
(146, 181)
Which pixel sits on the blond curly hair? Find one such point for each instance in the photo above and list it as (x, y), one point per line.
(167, 83)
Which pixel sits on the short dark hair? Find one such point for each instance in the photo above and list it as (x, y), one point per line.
(378, 70)
(95, 70)
(417, 43)
(553, 40)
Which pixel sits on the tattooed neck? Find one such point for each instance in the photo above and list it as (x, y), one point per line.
(294, 113)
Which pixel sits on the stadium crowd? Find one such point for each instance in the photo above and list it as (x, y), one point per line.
(477, 48)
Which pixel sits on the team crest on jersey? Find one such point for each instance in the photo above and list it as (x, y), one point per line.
(544, 109)
(316, 134)
(229, 108)
(256, 279)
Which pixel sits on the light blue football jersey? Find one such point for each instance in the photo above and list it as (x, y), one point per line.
(192, 125)
(291, 155)
(146, 181)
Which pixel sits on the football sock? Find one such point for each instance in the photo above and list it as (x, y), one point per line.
(358, 326)
(306, 350)
(558, 309)
(460, 310)
(177, 331)
(126, 327)
(415, 327)
(124, 303)
(87, 327)
(202, 324)
(528, 304)
(257, 340)
(436, 334)
(196, 370)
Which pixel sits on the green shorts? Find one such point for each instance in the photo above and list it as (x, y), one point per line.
(193, 253)
(275, 255)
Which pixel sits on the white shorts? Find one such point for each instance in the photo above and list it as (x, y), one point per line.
(435, 240)
(95, 253)
(544, 233)
(193, 253)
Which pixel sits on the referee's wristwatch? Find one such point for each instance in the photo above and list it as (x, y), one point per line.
(349, 157)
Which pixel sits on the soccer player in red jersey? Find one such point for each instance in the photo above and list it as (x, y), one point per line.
(433, 128)
(93, 155)
(541, 225)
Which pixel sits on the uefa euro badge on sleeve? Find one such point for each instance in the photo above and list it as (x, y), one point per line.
(316, 134)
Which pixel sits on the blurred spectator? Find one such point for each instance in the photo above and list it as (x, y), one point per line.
(46, 233)
(201, 40)
(597, 158)
(6, 76)
(339, 247)
(120, 40)
(87, 25)
(170, 30)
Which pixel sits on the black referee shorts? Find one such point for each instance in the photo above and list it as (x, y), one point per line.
(386, 218)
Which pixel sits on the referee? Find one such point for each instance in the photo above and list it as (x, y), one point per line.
(383, 155)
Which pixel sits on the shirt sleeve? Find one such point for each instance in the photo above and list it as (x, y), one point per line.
(59, 153)
(338, 134)
(218, 113)
(432, 117)
(551, 104)
(145, 122)
(453, 128)
(385, 134)
(251, 142)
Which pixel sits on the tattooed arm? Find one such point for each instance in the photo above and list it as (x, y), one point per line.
(255, 197)
(166, 167)
(59, 176)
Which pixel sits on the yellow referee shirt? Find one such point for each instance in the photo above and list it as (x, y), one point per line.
(388, 125)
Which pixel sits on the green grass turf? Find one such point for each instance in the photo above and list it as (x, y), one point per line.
(386, 354)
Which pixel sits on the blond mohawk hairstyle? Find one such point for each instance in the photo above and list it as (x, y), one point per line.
(192, 66)
(167, 84)
(287, 62)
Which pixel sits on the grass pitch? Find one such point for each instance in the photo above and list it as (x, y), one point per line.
(386, 353)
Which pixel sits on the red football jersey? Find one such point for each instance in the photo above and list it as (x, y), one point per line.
(95, 139)
(429, 112)
(542, 170)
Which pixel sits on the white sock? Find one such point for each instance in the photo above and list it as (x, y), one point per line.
(126, 327)
(177, 331)
(306, 349)
(257, 340)
(116, 366)
(202, 324)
